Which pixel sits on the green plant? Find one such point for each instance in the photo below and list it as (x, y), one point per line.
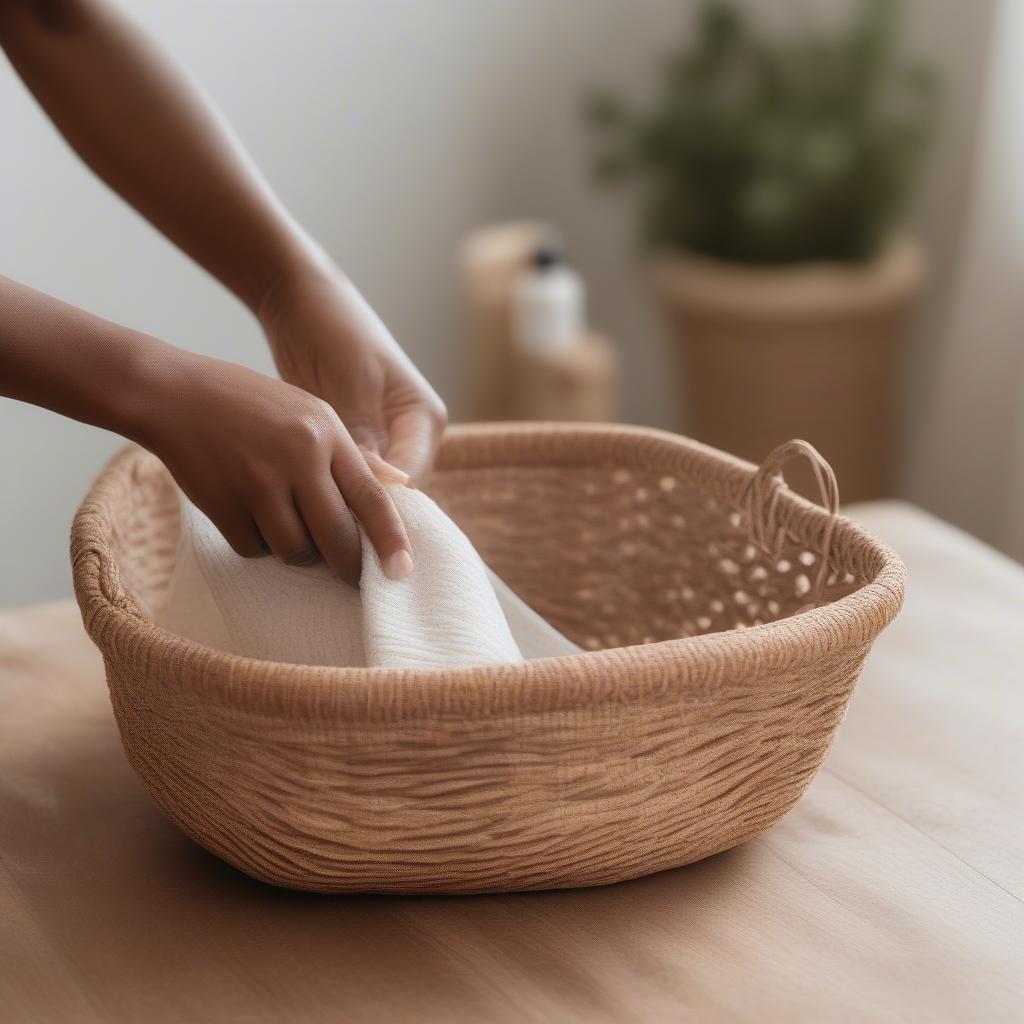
(774, 150)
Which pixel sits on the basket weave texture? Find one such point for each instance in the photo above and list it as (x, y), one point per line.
(726, 620)
(795, 348)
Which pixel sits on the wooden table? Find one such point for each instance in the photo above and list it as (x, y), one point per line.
(891, 893)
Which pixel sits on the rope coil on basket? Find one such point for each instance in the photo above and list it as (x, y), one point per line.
(761, 502)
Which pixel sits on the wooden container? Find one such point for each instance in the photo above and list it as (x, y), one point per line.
(492, 259)
(805, 351)
(581, 383)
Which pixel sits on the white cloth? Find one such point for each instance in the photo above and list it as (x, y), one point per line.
(451, 611)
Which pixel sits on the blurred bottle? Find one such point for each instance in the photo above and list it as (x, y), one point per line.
(548, 305)
(562, 371)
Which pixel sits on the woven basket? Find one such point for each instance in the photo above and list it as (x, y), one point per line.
(709, 695)
(769, 352)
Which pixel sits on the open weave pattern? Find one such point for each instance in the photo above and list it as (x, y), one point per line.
(678, 736)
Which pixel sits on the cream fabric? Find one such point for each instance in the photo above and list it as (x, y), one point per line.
(451, 611)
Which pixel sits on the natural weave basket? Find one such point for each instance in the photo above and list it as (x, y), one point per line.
(706, 702)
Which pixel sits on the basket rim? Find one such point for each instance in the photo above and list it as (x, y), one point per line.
(663, 670)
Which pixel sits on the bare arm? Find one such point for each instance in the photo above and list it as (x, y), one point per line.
(268, 462)
(151, 135)
(145, 128)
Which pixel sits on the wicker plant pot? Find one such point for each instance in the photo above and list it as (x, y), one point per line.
(678, 735)
(808, 351)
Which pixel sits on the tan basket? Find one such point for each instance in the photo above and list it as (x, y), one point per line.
(809, 350)
(679, 735)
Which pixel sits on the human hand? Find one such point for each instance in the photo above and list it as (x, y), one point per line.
(272, 465)
(327, 340)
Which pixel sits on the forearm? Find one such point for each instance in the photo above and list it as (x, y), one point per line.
(271, 464)
(61, 358)
(150, 134)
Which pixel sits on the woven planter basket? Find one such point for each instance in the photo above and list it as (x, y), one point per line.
(769, 353)
(679, 733)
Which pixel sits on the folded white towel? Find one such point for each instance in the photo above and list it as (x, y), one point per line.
(451, 611)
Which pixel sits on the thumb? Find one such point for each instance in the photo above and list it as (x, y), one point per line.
(413, 437)
(383, 470)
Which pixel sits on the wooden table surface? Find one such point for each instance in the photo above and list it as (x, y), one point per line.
(893, 892)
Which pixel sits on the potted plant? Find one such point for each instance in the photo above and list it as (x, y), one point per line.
(771, 174)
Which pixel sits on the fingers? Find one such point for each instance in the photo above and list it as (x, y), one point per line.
(384, 471)
(239, 530)
(318, 519)
(369, 500)
(306, 492)
(282, 528)
(332, 526)
(414, 436)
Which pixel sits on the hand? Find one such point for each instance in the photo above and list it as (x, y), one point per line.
(272, 465)
(326, 339)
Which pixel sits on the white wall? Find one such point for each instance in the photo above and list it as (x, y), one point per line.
(970, 434)
(390, 128)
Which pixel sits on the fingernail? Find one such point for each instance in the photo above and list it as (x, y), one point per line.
(398, 565)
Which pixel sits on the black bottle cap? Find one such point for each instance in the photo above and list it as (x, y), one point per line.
(545, 257)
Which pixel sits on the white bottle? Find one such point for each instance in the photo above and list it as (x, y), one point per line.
(548, 305)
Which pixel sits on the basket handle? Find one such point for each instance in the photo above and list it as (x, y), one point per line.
(761, 502)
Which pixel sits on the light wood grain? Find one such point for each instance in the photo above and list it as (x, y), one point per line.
(892, 892)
